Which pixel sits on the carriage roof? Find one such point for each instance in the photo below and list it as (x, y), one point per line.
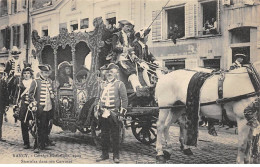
(73, 41)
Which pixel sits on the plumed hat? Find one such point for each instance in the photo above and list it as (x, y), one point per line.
(44, 67)
(64, 64)
(109, 67)
(126, 22)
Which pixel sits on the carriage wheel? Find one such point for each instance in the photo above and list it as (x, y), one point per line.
(144, 129)
(96, 132)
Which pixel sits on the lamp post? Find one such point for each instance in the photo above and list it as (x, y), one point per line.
(28, 31)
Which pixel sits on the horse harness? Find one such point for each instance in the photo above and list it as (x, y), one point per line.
(255, 81)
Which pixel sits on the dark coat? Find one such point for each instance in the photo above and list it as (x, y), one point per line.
(143, 54)
(3, 96)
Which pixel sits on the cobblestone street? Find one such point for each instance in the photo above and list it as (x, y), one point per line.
(79, 148)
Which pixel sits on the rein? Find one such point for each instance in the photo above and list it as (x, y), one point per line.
(230, 99)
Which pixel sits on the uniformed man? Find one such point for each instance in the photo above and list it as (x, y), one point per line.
(113, 103)
(41, 91)
(238, 62)
(122, 47)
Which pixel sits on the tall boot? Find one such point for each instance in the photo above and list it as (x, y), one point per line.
(134, 80)
(146, 78)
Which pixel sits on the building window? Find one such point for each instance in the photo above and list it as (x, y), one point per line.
(242, 50)
(24, 4)
(73, 5)
(16, 36)
(175, 64)
(45, 31)
(212, 63)
(210, 20)
(2, 37)
(25, 33)
(3, 8)
(84, 23)
(14, 6)
(62, 26)
(74, 25)
(240, 35)
(111, 20)
(175, 20)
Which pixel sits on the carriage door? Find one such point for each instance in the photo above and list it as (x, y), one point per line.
(65, 91)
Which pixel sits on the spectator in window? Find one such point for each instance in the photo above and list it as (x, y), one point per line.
(206, 27)
(174, 33)
(213, 26)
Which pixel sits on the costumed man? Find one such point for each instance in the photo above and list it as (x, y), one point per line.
(144, 55)
(113, 103)
(238, 62)
(22, 98)
(41, 92)
(3, 102)
(65, 74)
(121, 43)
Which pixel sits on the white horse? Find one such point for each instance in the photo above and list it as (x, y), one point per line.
(172, 88)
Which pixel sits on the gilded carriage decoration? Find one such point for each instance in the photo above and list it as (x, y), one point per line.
(74, 48)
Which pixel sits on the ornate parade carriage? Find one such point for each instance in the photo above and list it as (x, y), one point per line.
(74, 105)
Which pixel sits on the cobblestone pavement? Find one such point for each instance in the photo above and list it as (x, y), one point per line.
(79, 148)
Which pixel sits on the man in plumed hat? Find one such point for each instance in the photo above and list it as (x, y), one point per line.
(41, 91)
(122, 47)
(113, 103)
(238, 62)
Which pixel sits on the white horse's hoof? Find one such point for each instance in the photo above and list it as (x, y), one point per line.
(160, 159)
(166, 155)
(187, 151)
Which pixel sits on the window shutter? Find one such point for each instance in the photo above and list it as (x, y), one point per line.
(157, 25)
(218, 17)
(191, 19)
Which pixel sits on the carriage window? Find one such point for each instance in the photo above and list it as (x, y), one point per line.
(84, 23)
(74, 25)
(210, 24)
(45, 31)
(175, 23)
(88, 61)
(111, 20)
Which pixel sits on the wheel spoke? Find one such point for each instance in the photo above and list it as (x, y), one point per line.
(153, 132)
